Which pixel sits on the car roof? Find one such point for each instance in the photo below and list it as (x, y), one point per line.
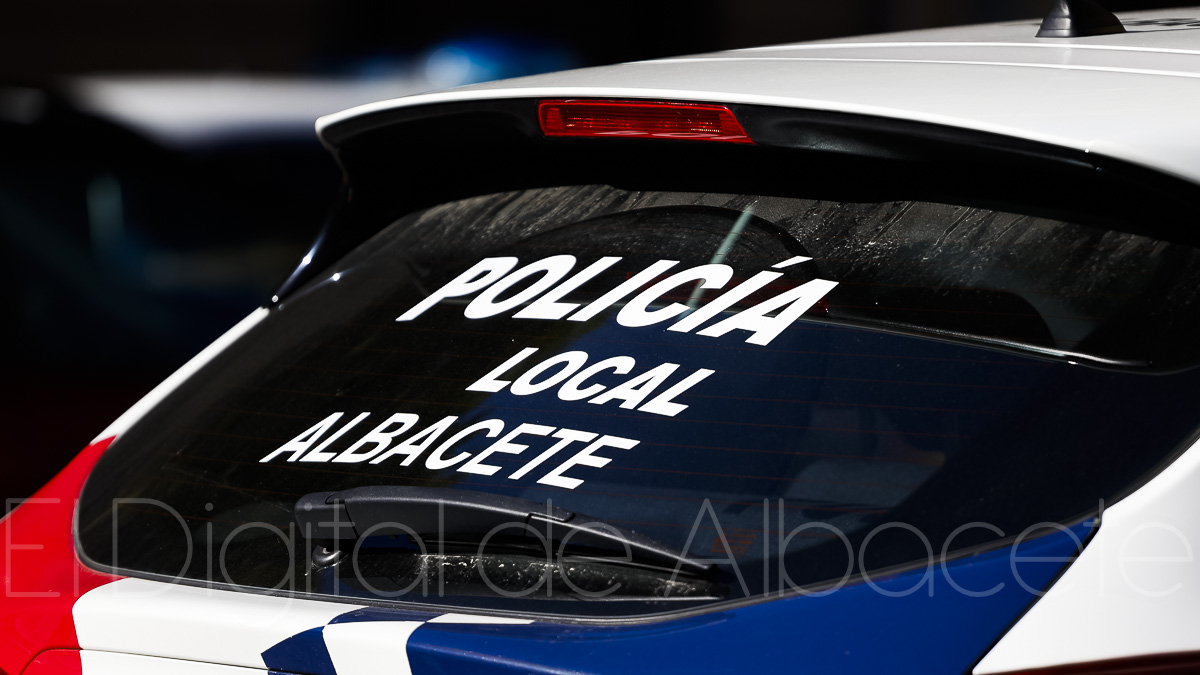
(1132, 96)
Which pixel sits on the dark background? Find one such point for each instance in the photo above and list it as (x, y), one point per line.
(41, 39)
(91, 323)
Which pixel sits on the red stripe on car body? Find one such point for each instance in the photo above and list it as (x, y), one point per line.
(42, 575)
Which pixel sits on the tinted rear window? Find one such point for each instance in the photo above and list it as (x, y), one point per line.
(836, 386)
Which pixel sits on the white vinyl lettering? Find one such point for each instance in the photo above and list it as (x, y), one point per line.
(493, 277)
(437, 462)
(300, 444)
(794, 303)
(504, 445)
(438, 459)
(414, 445)
(315, 455)
(567, 436)
(551, 269)
(727, 299)
(482, 274)
(663, 404)
(379, 437)
(796, 260)
(629, 286)
(635, 390)
(549, 307)
(635, 313)
(585, 458)
(540, 291)
(570, 391)
(490, 382)
(567, 363)
(567, 369)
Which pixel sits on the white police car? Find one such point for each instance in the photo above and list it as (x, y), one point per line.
(869, 355)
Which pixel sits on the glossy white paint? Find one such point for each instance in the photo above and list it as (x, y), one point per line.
(129, 417)
(1130, 62)
(185, 624)
(359, 648)
(477, 619)
(109, 663)
(150, 618)
(1133, 97)
(1024, 32)
(1134, 590)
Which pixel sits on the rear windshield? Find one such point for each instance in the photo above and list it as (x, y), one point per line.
(799, 392)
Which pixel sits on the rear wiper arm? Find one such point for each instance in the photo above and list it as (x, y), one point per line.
(465, 516)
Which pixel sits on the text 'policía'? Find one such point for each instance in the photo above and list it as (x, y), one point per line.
(548, 283)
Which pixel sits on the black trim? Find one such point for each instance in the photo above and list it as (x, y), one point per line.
(672, 614)
(401, 160)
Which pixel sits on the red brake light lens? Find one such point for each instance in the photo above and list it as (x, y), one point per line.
(641, 119)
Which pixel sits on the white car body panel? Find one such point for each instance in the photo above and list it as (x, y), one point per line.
(359, 648)
(137, 626)
(150, 618)
(111, 663)
(1134, 590)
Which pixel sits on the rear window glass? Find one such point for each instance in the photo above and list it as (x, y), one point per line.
(798, 391)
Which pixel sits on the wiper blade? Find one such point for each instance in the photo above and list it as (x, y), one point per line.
(465, 516)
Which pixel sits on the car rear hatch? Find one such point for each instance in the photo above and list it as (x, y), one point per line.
(809, 352)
